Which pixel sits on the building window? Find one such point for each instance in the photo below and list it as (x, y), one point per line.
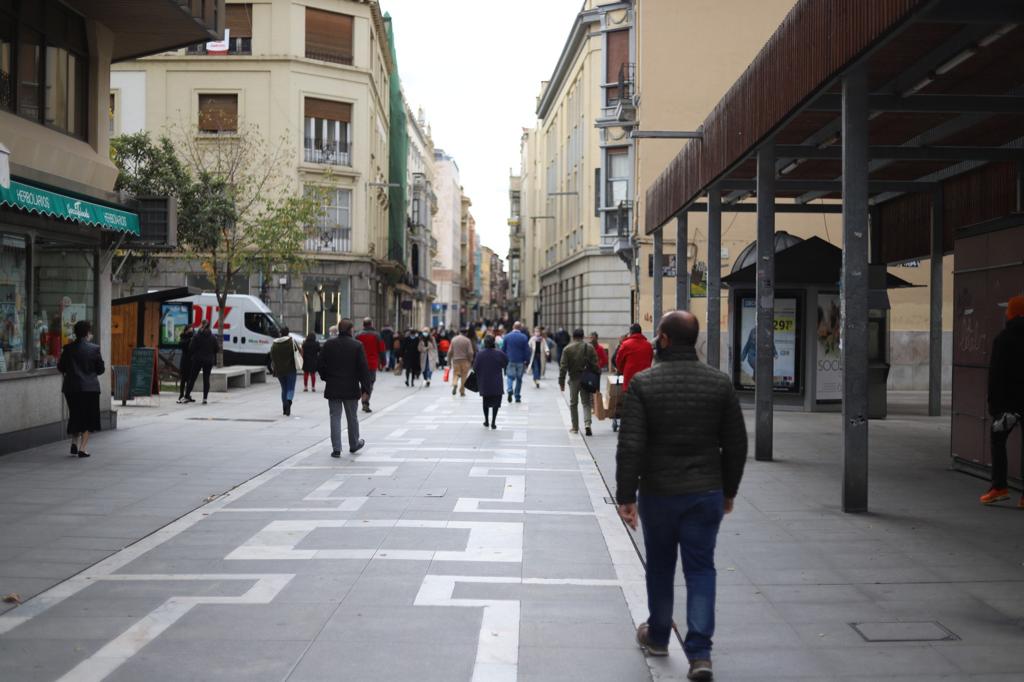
(6, 64)
(44, 65)
(328, 132)
(617, 65)
(218, 113)
(113, 128)
(64, 290)
(13, 303)
(328, 36)
(333, 231)
(237, 29)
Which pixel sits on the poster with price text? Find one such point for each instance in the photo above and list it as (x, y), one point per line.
(785, 343)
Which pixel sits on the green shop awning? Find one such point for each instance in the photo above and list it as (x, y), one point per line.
(36, 200)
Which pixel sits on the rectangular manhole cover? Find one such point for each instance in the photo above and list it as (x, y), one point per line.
(228, 419)
(910, 631)
(407, 492)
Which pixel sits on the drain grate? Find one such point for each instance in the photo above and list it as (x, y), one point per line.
(907, 631)
(228, 419)
(407, 492)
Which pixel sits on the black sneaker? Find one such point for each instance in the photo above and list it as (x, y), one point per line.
(335, 454)
(358, 447)
(74, 449)
(589, 432)
(700, 671)
(366, 408)
(494, 425)
(650, 648)
(486, 423)
(83, 453)
(510, 396)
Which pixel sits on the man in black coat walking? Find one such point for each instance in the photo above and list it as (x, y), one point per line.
(683, 444)
(342, 366)
(1005, 395)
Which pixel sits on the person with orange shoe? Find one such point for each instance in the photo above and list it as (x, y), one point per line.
(1005, 395)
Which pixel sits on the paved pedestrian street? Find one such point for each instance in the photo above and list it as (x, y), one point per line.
(443, 551)
(447, 551)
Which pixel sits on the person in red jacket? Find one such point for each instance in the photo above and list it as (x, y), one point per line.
(602, 354)
(374, 346)
(635, 354)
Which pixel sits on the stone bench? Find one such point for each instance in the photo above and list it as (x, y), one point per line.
(223, 378)
(236, 376)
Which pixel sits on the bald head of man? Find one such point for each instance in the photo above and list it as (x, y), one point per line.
(678, 328)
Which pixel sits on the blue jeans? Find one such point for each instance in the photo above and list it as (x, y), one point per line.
(428, 371)
(514, 379)
(687, 524)
(287, 386)
(537, 367)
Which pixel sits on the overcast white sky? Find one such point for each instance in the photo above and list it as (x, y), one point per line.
(475, 66)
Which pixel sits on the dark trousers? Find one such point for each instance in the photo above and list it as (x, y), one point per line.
(999, 460)
(205, 368)
(351, 410)
(185, 375)
(686, 525)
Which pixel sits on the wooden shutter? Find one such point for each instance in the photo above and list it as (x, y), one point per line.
(328, 36)
(332, 111)
(238, 20)
(218, 113)
(617, 57)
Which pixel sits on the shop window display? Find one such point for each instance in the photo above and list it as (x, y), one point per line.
(13, 303)
(64, 286)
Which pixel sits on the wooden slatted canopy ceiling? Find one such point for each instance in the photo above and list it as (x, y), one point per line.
(947, 106)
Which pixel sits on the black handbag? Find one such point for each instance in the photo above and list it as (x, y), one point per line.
(590, 381)
(469, 383)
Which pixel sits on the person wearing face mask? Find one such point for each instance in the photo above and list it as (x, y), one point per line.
(81, 364)
(683, 445)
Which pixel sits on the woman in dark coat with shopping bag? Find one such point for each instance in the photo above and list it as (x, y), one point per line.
(489, 365)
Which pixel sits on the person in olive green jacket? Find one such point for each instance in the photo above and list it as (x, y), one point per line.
(578, 357)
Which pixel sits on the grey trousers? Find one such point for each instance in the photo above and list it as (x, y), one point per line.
(577, 396)
(351, 408)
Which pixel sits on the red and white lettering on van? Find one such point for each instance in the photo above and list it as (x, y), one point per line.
(197, 316)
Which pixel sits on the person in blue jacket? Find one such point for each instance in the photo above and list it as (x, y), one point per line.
(517, 348)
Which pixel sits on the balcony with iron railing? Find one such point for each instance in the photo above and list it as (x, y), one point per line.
(332, 240)
(328, 153)
(619, 108)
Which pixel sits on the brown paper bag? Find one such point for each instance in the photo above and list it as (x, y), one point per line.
(599, 406)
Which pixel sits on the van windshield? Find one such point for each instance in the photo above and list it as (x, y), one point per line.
(262, 323)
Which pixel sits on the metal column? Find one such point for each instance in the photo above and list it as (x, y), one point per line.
(764, 373)
(714, 331)
(659, 250)
(682, 262)
(935, 305)
(855, 291)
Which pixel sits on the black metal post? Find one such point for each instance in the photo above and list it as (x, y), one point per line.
(682, 264)
(714, 330)
(659, 251)
(935, 307)
(764, 373)
(855, 291)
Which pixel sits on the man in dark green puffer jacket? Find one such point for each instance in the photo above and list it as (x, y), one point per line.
(683, 445)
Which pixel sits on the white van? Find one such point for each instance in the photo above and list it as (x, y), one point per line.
(249, 326)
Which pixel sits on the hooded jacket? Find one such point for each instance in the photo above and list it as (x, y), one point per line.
(282, 356)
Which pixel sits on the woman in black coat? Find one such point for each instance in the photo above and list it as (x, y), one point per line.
(412, 346)
(204, 355)
(310, 353)
(489, 365)
(81, 364)
(185, 371)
